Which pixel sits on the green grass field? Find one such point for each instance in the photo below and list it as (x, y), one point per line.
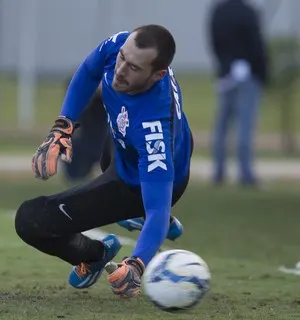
(244, 236)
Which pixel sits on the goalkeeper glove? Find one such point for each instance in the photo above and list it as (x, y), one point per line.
(56, 145)
(125, 281)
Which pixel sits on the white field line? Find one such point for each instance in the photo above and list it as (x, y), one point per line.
(294, 271)
(99, 234)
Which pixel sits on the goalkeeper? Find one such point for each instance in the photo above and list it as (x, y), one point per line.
(149, 173)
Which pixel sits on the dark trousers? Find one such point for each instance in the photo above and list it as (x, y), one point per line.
(53, 224)
(92, 143)
(240, 105)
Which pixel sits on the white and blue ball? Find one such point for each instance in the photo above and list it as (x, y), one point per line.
(176, 280)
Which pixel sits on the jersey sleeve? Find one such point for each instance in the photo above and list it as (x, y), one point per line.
(157, 198)
(153, 141)
(87, 77)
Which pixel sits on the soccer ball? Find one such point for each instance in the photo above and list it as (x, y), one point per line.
(176, 280)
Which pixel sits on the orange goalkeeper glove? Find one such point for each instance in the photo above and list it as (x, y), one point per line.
(125, 281)
(57, 145)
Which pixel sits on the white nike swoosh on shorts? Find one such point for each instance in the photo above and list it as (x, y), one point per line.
(61, 208)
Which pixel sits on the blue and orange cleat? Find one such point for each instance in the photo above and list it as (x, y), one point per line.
(85, 275)
(175, 229)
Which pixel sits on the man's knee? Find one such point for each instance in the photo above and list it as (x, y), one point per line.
(244, 143)
(27, 223)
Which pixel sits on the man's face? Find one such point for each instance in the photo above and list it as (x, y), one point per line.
(133, 70)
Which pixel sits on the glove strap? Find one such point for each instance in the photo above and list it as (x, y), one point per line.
(63, 124)
(137, 263)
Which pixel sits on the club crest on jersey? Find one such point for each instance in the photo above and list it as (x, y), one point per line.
(123, 121)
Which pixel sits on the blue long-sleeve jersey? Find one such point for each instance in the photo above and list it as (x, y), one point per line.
(151, 135)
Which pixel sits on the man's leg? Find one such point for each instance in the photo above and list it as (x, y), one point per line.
(82, 160)
(136, 224)
(223, 117)
(90, 141)
(247, 110)
(107, 153)
(53, 224)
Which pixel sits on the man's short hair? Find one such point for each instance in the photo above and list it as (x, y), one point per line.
(158, 37)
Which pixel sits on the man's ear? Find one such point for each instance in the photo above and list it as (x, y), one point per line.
(158, 75)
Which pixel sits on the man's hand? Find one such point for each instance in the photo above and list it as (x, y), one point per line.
(126, 280)
(57, 144)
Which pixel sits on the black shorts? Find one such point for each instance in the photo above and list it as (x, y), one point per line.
(102, 201)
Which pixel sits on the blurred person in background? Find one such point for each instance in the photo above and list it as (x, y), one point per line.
(241, 65)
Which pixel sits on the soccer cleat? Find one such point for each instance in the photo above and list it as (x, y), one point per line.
(175, 229)
(132, 224)
(86, 274)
